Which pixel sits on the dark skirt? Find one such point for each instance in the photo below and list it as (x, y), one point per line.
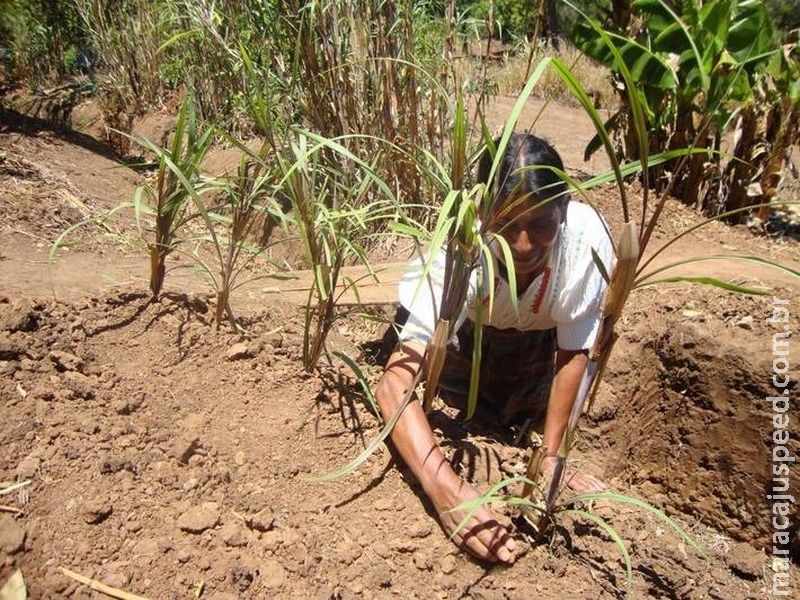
(517, 370)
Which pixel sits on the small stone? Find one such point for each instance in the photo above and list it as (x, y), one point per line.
(272, 540)
(117, 575)
(127, 405)
(96, 510)
(273, 575)
(447, 564)
(381, 549)
(80, 385)
(12, 536)
(254, 347)
(183, 555)
(422, 561)
(240, 458)
(238, 352)
(65, 361)
(745, 322)
(28, 467)
(263, 520)
(232, 535)
(347, 552)
(420, 530)
(199, 518)
(275, 338)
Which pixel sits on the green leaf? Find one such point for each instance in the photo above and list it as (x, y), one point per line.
(725, 285)
(612, 496)
(362, 381)
(647, 67)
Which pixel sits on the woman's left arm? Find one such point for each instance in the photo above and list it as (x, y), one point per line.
(570, 367)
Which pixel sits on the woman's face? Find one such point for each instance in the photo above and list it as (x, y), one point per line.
(529, 232)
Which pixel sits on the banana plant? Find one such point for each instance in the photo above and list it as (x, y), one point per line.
(693, 66)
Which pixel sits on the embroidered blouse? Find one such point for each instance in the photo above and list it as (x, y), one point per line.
(567, 294)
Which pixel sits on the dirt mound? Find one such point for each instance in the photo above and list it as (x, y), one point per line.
(693, 383)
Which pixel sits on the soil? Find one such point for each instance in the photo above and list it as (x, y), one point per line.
(173, 459)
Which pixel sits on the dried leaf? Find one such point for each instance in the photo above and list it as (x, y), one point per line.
(14, 587)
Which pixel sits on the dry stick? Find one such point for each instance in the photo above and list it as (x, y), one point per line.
(101, 587)
(16, 486)
(535, 40)
(11, 509)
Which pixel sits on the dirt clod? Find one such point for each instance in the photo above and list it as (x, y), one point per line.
(199, 518)
(262, 521)
(12, 535)
(66, 361)
(744, 562)
(96, 510)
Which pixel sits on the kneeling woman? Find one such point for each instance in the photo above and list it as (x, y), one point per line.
(533, 358)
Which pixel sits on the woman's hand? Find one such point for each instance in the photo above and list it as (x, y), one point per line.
(574, 479)
(483, 535)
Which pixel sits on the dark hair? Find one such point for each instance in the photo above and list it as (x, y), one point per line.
(512, 178)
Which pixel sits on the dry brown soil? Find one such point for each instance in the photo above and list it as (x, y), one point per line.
(175, 460)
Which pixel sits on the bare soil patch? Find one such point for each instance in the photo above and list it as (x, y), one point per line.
(169, 458)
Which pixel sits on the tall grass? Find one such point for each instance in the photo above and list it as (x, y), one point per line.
(176, 186)
(461, 232)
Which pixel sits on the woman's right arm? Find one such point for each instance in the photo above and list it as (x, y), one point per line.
(483, 536)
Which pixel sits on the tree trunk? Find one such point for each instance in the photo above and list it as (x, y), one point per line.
(552, 24)
(739, 170)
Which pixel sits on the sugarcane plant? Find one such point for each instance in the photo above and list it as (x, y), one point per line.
(178, 181)
(542, 501)
(241, 202)
(332, 217)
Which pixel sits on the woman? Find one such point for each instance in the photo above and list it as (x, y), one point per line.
(533, 358)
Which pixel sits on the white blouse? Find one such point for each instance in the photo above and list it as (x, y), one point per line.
(567, 294)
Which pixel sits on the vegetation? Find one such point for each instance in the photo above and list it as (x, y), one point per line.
(700, 69)
(362, 127)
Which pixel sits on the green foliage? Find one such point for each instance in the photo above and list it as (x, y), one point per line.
(514, 18)
(241, 201)
(335, 197)
(37, 35)
(696, 68)
(177, 187)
